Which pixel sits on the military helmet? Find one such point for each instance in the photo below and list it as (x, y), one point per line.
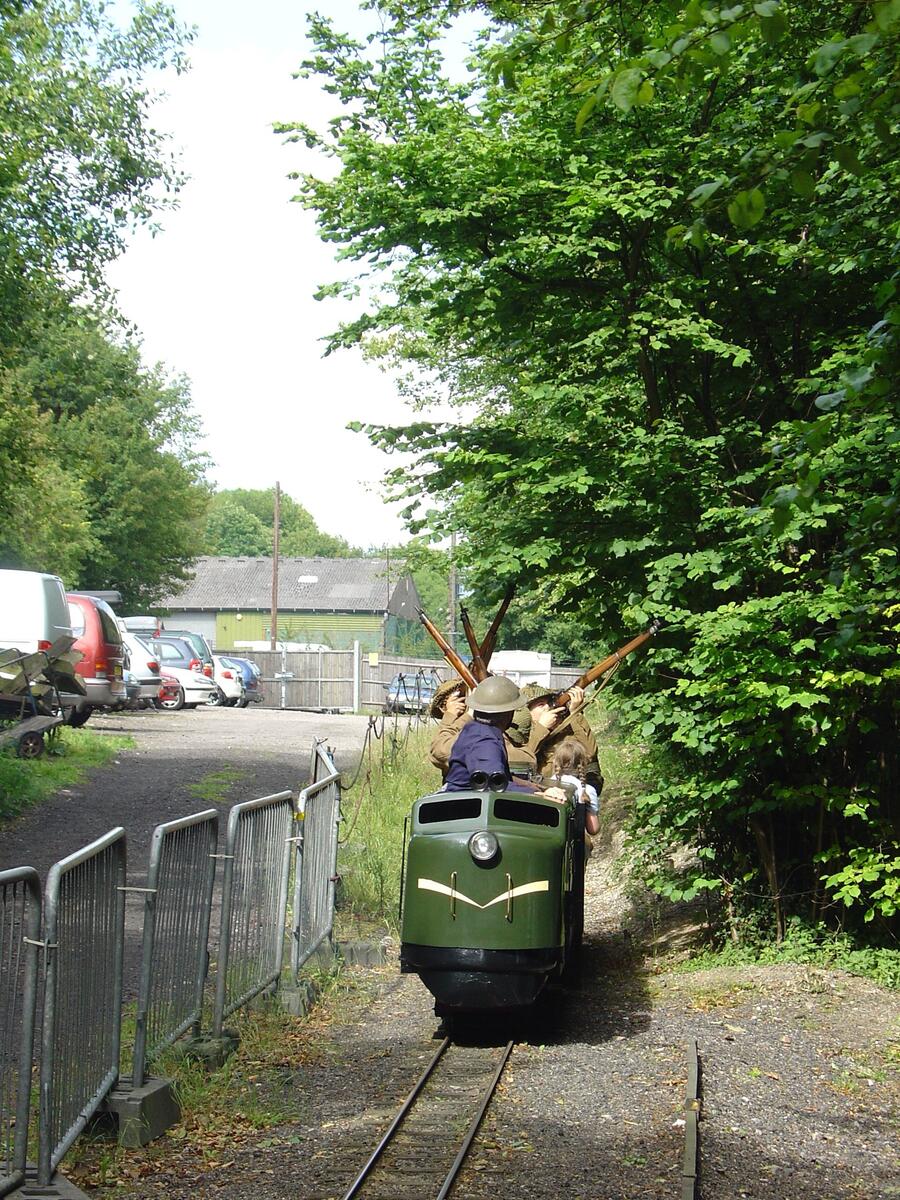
(537, 691)
(496, 694)
(442, 692)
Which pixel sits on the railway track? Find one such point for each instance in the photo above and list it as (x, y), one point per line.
(421, 1153)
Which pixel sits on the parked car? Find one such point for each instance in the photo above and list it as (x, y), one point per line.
(200, 645)
(132, 690)
(410, 692)
(229, 683)
(169, 689)
(143, 626)
(252, 677)
(33, 611)
(98, 638)
(142, 664)
(176, 658)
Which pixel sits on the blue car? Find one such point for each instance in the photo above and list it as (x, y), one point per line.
(251, 673)
(410, 692)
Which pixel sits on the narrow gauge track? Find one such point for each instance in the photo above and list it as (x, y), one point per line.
(420, 1155)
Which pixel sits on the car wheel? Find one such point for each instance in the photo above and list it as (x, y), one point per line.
(243, 702)
(79, 716)
(30, 745)
(216, 698)
(173, 704)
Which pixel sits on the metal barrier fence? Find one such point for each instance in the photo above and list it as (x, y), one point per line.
(319, 807)
(174, 955)
(254, 901)
(84, 925)
(20, 931)
(81, 945)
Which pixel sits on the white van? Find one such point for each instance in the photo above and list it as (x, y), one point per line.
(34, 611)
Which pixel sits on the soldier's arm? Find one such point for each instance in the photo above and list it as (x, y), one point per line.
(442, 742)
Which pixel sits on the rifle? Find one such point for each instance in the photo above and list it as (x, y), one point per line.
(487, 646)
(450, 655)
(479, 670)
(611, 660)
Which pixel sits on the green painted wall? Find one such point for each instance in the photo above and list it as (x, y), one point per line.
(337, 630)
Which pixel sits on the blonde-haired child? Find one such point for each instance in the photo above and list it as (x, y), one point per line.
(570, 761)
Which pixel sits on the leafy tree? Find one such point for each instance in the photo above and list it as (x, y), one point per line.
(650, 252)
(44, 520)
(232, 530)
(80, 158)
(300, 535)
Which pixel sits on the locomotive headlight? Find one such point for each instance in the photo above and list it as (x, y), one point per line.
(483, 846)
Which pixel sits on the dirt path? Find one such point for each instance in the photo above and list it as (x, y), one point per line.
(182, 763)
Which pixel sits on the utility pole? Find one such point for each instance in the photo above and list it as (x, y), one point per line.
(276, 530)
(453, 597)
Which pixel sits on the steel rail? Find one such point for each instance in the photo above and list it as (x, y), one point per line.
(473, 1128)
(394, 1125)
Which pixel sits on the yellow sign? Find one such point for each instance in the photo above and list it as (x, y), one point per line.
(373, 658)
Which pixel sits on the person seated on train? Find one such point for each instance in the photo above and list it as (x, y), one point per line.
(478, 756)
(551, 725)
(449, 708)
(570, 763)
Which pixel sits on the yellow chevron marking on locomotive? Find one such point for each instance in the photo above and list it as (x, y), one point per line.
(524, 889)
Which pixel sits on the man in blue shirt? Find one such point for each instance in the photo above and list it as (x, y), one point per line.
(478, 757)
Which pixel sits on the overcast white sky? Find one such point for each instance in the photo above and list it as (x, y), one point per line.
(224, 293)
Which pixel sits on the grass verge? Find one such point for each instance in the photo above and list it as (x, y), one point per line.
(215, 786)
(395, 771)
(226, 1110)
(69, 753)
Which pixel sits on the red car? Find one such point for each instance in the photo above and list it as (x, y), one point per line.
(102, 663)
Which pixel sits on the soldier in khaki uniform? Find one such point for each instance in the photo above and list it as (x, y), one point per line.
(449, 708)
(550, 726)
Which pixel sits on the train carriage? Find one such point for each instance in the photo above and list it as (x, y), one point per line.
(492, 897)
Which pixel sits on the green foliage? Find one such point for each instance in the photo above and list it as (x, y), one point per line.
(232, 530)
(395, 772)
(240, 521)
(100, 480)
(669, 319)
(808, 945)
(80, 159)
(27, 781)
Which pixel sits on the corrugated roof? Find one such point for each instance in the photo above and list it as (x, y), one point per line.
(341, 585)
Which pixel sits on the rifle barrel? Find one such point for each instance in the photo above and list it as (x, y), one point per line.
(450, 655)
(479, 670)
(600, 668)
(490, 640)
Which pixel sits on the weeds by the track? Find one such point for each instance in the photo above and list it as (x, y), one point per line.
(69, 753)
(375, 810)
(224, 1110)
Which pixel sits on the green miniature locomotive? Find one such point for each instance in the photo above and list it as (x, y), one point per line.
(492, 897)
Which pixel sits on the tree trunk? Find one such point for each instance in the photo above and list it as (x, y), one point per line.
(765, 846)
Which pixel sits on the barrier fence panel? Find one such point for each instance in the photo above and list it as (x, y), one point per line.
(174, 958)
(316, 859)
(83, 934)
(20, 931)
(254, 901)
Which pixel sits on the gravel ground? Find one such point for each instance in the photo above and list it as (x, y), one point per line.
(800, 1066)
(168, 775)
